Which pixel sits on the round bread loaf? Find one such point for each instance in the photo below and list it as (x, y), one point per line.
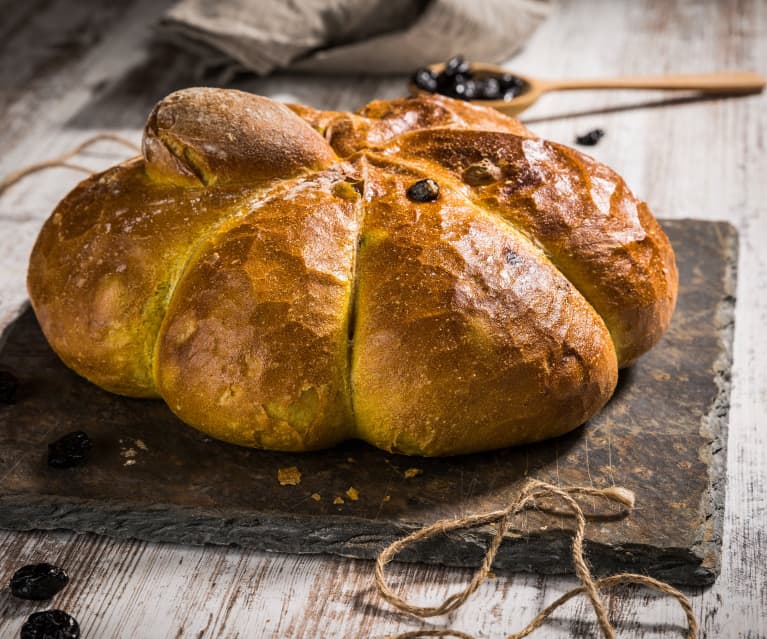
(425, 275)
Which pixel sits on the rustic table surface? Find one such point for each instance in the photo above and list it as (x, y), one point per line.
(72, 69)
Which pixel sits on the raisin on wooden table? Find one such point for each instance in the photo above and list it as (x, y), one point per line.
(50, 624)
(38, 581)
(591, 138)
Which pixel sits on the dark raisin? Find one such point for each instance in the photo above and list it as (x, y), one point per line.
(457, 65)
(457, 80)
(511, 85)
(50, 624)
(426, 79)
(489, 88)
(591, 138)
(70, 450)
(509, 81)
(8, 386)
(424, 191)
(464, 90)
(38, 581)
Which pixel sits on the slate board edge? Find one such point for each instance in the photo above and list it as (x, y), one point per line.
(300, 535)
(716, 420)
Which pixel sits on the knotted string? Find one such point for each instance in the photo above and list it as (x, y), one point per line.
(532, 491)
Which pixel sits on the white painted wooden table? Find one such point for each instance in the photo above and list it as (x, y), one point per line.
(71, 69)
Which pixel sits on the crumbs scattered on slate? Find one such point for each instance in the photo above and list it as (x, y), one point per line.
(50, 624)
(70, 450)
(591, 138)
(8, 386)
(289, 476)
(38, 581)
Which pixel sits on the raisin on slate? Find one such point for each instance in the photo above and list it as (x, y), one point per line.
(70, 450)
(8, 386)
(38, 581)
(591, 138)
(50, 624)
(424, 191)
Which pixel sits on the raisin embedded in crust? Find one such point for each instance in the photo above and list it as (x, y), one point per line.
(424, 191)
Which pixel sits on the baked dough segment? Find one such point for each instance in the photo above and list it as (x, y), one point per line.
(109, 256)
(379, 122)
(104, 264)
(201, 137)
(254, 346)
(466, 338)
(580, 212)
(465, 324)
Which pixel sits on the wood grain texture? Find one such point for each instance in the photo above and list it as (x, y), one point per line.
(704, 158)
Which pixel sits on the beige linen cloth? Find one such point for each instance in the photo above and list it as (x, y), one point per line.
(350, 36)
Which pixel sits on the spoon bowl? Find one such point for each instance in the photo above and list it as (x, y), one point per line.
(530, 92)
(723, 82)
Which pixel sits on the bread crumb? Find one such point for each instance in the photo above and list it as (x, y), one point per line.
(338, 501)
(316, 496)
(491, 575)
(413, 472)
(289, 476)
(387, 498)
(129, 462)
(351, 460)
(140, 444)
(353, 493)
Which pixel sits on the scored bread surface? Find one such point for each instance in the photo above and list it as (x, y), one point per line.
(262, 269)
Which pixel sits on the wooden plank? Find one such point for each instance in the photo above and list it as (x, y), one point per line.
(705, 158)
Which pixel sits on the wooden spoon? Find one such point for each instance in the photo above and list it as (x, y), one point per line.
(739, 82)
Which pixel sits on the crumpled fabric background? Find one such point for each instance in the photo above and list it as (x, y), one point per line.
(349, 36)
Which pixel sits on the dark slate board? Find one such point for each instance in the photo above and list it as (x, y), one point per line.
(150, 477)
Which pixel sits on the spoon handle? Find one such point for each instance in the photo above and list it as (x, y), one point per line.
(722, 82)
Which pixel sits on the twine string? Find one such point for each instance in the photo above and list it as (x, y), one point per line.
(62, 161)
(533, 491)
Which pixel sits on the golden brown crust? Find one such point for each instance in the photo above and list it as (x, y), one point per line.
(580, 212)
(202, 137)
(253, 349)
(104, 264)
(222, 272)
(466, 338)
(381, 121)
